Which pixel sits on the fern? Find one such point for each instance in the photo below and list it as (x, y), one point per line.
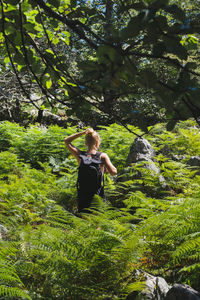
(186, 249)
(10, 282)
(10, 292)
(82, 255)
(56, 255)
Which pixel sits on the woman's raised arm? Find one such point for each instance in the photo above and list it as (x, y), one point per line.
(68, 142)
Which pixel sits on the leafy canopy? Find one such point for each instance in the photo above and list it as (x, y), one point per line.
(106, 56)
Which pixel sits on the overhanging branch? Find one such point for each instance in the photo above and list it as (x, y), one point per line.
(76, 26)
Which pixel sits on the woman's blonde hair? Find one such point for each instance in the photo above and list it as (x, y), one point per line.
(92, 138)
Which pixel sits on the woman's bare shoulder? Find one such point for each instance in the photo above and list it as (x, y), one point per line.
(103, 155)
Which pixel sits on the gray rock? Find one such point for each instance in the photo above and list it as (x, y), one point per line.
(178, 157)
(142, 151)
(156, 288)
(182, 292)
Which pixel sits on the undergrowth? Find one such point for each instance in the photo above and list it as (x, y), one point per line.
(48, 251)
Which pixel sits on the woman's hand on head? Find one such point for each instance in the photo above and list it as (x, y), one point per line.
(89, 130)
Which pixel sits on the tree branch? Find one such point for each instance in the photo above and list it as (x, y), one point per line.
(174, 62)
(76, 26)
(10, 57)
(27, 60)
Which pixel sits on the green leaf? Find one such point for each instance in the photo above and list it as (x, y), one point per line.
(191, 65)
(12, 2)
(48, 83)
(138, 6)
(176, 11)
(190, 42)
(159, 48)
(64, 36)
(133, 28)
(18, 39)
(174, 46)
(148, 78)
(55, 3)
(66, 33)
(33, 3)
(162, 21)
(7, 60)
(55, 41)
(108, 52)
(31, 57)
(37, 66)
(184, 80)
(54, 23)
(38, 19)
(13, 17)
(88, 65)
(49, 51)
(30, 27)
(9, 29)
(19, 58)
(25, 6)
(155, 5)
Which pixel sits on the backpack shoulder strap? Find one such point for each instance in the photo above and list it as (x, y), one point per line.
(98, 153)
(82, 153)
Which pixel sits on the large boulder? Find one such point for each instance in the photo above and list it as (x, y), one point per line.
(182, 292)
(142, 151)
(156, 288)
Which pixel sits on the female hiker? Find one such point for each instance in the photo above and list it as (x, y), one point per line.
(92, 165)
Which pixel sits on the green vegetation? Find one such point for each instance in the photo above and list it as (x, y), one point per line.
(122, 67)
(101, 61)
(48, 251)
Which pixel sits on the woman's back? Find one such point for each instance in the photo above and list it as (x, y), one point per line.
(92, 165)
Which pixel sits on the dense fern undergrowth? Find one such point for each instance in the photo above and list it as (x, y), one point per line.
(48, 251)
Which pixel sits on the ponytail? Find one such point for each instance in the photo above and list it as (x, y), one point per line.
(92, 138)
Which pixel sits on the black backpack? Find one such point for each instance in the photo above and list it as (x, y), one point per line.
(90, 177)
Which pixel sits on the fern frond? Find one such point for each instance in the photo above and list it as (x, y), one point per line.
(185, 249)
(13, 292)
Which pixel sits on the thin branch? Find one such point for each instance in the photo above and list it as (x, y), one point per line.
(52, 48)
(125, 126)
(76, 26)
(10, 57)
(174, 62)
(26, 57)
